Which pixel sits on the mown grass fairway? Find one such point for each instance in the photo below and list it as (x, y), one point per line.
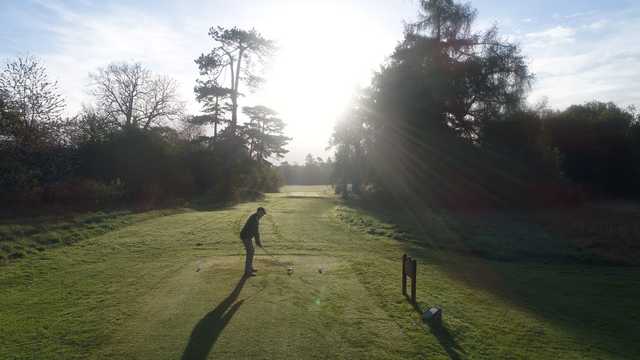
(171, 288)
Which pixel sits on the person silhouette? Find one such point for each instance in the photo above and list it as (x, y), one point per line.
(251, 230)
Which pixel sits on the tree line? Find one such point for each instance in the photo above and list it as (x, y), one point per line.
(314, 171)
(135, 142)
(445, 122)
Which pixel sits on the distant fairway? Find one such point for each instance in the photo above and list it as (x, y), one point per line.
(170, 287)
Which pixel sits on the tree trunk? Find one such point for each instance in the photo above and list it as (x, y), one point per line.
(252, 144)
(234, 111)
(235, 92)
(260, 158)
(216, 120)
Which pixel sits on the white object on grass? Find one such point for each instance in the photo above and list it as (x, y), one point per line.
(433, 314)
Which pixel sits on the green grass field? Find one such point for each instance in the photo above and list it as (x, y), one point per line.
(170, 287)
(29, 235)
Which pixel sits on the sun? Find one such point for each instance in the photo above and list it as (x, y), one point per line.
(326, 51)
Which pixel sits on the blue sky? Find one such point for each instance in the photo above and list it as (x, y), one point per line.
(579, 50)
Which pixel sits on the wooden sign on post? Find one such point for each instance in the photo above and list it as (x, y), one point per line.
(409, 268)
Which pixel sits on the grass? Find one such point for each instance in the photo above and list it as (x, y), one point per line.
(27, 236)
(169, 287)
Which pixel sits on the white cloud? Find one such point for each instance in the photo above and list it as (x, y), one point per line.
(554, 36)
(85, 42)
(597, 25)
(593, 61)
(580, 14)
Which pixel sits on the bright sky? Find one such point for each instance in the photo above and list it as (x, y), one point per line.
(580, 50)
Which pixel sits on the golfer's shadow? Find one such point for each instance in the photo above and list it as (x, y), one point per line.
(208, 329)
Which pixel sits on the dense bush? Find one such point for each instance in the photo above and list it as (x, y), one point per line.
(147, 166)
(594, 146)
(598, 143)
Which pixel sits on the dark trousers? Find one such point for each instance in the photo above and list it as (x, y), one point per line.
(248, 262)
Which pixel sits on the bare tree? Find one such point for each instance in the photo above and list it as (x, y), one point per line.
(131, 96)
(27, 90)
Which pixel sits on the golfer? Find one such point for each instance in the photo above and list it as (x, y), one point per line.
(250, 231)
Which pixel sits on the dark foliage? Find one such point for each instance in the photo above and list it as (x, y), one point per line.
(143, 166)
(598, 143)
(594, 146)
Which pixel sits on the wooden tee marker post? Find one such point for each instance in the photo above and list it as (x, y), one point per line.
(409, 268)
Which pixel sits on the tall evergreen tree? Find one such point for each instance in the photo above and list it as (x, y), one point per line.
(231, 62)
(419, 120)
(265, 133)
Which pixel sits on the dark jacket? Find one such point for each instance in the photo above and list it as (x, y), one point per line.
(251, 229)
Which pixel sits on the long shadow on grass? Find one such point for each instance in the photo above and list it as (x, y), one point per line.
(208, 329)
(592, 302)
(447, 341)
(444, 337)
